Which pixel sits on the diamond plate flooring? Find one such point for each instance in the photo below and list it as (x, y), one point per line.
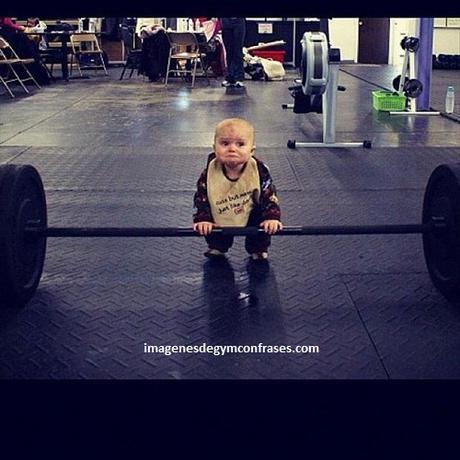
(129, 153)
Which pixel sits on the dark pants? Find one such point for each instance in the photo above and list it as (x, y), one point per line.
(233, 33)
(253, 243)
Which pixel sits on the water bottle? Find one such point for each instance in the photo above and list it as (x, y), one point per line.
(450, 99)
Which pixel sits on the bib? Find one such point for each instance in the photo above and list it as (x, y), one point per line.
(232, 201)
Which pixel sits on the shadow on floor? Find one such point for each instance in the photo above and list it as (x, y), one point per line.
(242, 315)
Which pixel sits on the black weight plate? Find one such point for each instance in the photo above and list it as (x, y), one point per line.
(442, 249)
(403, 43)
(413, 88)
(397, 80)
(22, 199)
(410, 43)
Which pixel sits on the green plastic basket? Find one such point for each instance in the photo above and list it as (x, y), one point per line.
(384, 101)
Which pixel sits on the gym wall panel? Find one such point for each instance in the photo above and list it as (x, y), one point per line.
(446, 41)
(343, 34)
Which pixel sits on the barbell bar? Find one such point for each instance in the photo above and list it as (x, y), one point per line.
(24, 231)
(33, 229)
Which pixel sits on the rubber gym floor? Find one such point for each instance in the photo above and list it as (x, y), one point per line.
(128, 153)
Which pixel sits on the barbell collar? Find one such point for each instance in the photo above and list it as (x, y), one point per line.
(90, 232)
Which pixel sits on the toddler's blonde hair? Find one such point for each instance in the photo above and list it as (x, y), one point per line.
(239, 122)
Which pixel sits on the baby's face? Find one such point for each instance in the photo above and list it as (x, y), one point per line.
(234, 145)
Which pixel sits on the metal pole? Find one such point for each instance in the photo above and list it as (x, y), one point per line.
(424, 60)
(294, 34)
(330, 104)
(82, 232)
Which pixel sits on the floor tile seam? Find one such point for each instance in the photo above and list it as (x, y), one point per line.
(44, 119)
(374, 345)
(382, 273)
(17, 155)
(281, 190)
(295, 174)
(139, 191)
(450, 116)
(149, 190)
(181, 151)
(365, 190)
(380, 149)
(70, 150)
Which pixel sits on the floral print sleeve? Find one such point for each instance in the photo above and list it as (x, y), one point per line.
(200, 201)
(269, 203)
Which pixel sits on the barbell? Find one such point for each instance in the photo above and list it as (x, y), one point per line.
(24, 231)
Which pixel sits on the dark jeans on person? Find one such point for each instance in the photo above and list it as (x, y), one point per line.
(233, 33)
(253, 243)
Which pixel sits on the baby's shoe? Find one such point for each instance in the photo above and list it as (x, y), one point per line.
(212, 253)
(259, 255)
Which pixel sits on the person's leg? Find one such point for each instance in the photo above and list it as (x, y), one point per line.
(256, 244)
(239, 32)
(232, 59)
(220, 242)
(227, 37)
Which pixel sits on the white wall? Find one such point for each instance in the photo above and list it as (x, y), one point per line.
(446, 41)
(399, 28)
(343, 34)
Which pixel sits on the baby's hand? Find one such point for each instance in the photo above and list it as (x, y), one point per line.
(271, 226)
(203, 228)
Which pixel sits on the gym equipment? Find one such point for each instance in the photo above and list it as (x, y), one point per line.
(22, 201)
(314, 64)
(410, 88)
(24, 231)
(446, 61)
(318, 91)
(406, 84)
(410, 43)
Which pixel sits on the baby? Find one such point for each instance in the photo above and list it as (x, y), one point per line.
(236, 190)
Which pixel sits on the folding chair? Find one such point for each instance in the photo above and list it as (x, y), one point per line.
(8, 60)
(133, 62)
(52, 54)
(87, 52)
(185, 50)
(49, 58)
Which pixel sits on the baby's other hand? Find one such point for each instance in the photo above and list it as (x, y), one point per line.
(203, 228)
(271, 226)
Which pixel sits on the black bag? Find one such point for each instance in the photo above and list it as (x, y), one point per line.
(256, 71)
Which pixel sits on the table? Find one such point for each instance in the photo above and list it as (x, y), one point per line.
(64, 38)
